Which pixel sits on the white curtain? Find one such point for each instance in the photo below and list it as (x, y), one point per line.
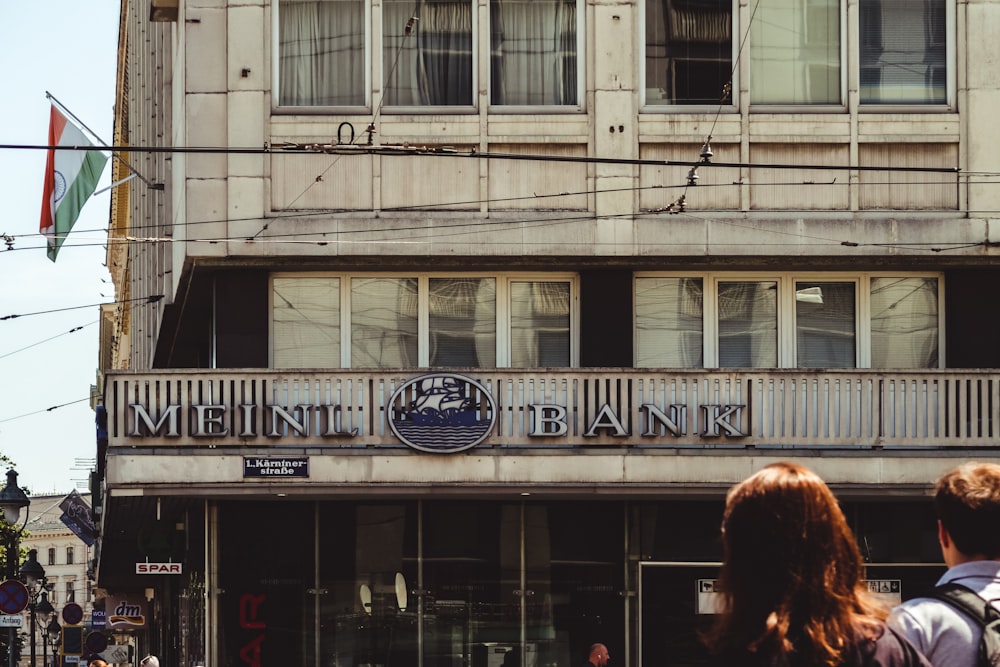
(321, 53)
(533, 52)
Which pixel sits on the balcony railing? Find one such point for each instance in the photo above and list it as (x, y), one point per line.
(559, 408)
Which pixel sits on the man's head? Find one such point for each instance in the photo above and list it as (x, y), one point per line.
(968, 507)
(599, 655)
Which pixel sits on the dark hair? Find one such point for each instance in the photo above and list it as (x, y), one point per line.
(792, 575)
(968, 503)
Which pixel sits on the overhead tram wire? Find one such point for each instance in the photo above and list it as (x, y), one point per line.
(396, 150)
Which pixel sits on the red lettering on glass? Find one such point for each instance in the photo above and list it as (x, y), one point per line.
(251, 652)
(249, 605)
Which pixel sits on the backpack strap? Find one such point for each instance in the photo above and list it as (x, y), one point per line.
(967, 601)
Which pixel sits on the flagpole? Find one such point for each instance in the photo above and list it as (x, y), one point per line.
(115, 154)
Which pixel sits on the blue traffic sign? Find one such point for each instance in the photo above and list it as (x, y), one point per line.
(13, 597)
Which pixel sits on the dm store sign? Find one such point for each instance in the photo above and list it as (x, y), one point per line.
(442, 413)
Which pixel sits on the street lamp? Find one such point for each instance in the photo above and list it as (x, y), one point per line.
(44, 610)
(55, 634)
(12, 500)
(33, 576)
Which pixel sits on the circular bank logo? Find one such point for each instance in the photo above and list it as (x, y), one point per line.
(442, 413)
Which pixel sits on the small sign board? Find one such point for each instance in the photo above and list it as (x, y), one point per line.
(97, 619)
(709, 598)
(283, 466)
(889, 591)
(11, 621)
(158, 568)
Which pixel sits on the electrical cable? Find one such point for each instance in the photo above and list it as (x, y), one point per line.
(28, 347)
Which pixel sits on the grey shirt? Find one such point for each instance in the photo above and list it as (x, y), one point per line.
(945, 635)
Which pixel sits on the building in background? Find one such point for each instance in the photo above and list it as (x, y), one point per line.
(65, 551)
(444, 326)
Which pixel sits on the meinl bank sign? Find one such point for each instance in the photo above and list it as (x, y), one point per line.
(434, 412)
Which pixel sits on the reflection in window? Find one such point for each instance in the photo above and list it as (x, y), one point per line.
(427, 61)
(533, 48)
(539, 325)
(668, 322)
(462, 322)
(748, 324)
(321, 53)
(903, 56)
(795, 52)
(904, 322)
(825, 325)
(305, 321)
(383, 322)
(689, 51)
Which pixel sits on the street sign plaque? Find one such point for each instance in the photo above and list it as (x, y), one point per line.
(11, 621)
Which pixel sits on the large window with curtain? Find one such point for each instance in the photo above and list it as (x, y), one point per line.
(689, 52)
(903, 51)
(795, 52)
(442, 321)
(533, 52)
(429, 53)
(322, 53)
(798, 52)
(787, 321)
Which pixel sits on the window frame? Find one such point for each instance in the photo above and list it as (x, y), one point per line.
(786, 310)
(850, 74)
(278, 108)
(731, 106)
(376, 69)
(502, 312)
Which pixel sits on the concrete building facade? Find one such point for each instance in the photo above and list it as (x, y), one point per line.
(445, 325)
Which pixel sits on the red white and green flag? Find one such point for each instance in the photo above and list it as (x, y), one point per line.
(70, 179)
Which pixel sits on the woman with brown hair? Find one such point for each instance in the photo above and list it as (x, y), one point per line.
(792, 581)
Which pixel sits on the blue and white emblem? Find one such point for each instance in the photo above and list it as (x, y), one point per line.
(441, 413)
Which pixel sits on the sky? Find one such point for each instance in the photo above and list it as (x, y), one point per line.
(67, 48)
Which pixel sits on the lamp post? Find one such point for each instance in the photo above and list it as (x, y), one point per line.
(12, 500)
(33, 576)
(44, 610)
(55, 634)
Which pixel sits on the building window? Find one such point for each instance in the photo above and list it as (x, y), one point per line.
(69, 555)
(70, 592)
(52, 556)
(533, 52)
(322, 52)
(429, 50)
(787, 322)
(689, 51)
(411, 321)
(903, 52)
(797, 51)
